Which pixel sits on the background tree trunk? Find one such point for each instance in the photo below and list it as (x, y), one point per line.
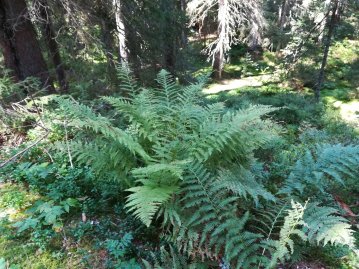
(281, 22)
(168, 38)
(53, 47)
(184, 38)
(218, 61)
(108, 27)
(218, 65)
(21, 49)
(120, 31)
(331, 27)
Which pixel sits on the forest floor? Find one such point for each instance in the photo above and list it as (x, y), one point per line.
(299, 112)
(233, 84)
(348, 109)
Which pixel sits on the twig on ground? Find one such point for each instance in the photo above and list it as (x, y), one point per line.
(23, 151)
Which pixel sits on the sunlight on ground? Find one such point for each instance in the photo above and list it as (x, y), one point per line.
(349, 111)
(4, 213)
(232, 84)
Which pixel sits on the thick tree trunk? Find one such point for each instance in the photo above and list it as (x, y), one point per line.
(21, 49)
(331, 27)
(120, 31)
(50, 37)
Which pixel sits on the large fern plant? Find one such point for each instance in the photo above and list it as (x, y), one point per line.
(167, 134)
(190, 167)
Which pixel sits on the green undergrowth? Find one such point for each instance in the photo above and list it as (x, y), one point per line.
(298, 109)
(168, 178)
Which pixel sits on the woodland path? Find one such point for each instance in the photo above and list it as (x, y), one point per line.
(232, 84)
(349, 112)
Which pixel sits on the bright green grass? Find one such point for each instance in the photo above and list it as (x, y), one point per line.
(19, 252)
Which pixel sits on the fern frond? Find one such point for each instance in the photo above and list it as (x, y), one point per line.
(159, 170)
(284, 246)
(140, 111)
(328, 165)
(84, 117)
(187, 162)
(124, 74)
(145, 200)
(107, 159)
(226, 134)
(242, 183)
(168, 93)
(324, 225)
(170, 260)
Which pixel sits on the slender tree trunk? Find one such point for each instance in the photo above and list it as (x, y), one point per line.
(168, 36)
(281, 22)
(18, 40)
(218, 65)
(184, 38)
(107, 25)
(218, 60)
(53, 47)
(120, 31)
(331, 27)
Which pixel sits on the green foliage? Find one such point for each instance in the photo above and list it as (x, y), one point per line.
(179, 152)
(323, 169)
(12, 199)
(19, 254)
(284, 246)
(57, 181)
(47, 214)
(5, 265)
(323, 225)
(117, 249)
(14, 92)
(190, 168)
(171, 259)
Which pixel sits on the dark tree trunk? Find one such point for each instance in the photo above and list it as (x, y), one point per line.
(169, 38)
(331, 27)
(184, 38)
(50, 37)
(108, 26)
(21, 49)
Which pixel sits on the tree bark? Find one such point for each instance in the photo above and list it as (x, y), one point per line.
(53, 47)
(107, 25)
(218, 60)
(281, 21)
(168, 33)
(331, 27)
(184, 38)
(18, 40)
(120, 32)
(218, 65)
